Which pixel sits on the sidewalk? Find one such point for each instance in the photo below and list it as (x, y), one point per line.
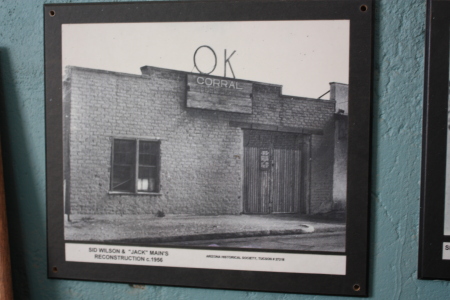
(153, 229)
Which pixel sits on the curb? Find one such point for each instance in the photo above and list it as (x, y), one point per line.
(307, 229)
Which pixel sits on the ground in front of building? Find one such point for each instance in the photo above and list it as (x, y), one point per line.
(276, 231)
(327, 241)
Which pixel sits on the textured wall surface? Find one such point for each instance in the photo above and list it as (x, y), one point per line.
(200, 152)
(397, 114)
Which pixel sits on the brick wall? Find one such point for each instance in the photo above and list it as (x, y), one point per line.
(201, 167)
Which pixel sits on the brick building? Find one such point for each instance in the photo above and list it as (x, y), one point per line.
(185, 143)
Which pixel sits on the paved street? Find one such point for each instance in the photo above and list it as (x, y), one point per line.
(329, 242)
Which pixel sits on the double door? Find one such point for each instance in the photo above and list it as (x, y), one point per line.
(272, 172)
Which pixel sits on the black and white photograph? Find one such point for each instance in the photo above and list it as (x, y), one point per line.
(434, 246)
(447, 174)
(214, 144)
(207, 133)
(447, 177)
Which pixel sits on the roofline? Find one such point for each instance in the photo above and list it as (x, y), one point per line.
(141, 76)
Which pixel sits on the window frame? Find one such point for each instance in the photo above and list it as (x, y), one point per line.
(136, 167)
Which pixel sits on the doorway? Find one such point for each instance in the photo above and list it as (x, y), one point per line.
(272, 172)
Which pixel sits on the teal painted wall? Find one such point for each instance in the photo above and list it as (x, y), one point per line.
(397, 125)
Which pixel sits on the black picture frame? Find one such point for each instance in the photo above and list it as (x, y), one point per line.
(354, 280)
(432, 264)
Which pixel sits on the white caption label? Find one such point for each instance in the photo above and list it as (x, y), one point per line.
(207, 259)
(446, 251)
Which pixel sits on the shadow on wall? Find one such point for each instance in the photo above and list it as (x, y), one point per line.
(24, 201)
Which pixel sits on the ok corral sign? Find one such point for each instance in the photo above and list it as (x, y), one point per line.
(219, 93)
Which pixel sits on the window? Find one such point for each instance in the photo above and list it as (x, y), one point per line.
(135, 166)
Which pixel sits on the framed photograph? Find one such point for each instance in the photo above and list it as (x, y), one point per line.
(5, 261)
(215, 144)
(434, 250)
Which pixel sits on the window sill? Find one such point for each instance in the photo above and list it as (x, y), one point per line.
(136, 194)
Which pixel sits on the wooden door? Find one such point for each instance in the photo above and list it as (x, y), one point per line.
(272, 172)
